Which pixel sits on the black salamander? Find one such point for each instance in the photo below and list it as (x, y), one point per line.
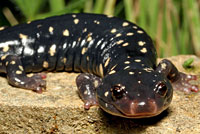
(117, 57)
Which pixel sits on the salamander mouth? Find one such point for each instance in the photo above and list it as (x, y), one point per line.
(134, 110)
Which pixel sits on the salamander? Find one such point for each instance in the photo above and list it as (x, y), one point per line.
(117, 59)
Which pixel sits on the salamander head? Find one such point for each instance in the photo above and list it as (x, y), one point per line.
(135, 93)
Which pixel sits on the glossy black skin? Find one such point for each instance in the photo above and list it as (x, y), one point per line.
(106, 46)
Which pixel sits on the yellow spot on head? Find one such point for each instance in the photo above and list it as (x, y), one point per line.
(45, 64)
(76, 21)
(23, 36)
(143, 50)
(6, 63)
(96, 83)
(163, 66)
(66, 32)
(125, 24)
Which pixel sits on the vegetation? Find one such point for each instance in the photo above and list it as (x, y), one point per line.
(174, 25)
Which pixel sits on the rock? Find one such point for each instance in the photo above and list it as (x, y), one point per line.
(60, 110)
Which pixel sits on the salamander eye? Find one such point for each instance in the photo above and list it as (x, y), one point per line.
(161, 89)
(117, 91)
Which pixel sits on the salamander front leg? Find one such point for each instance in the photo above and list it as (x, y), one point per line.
(17, 77)
(87, 84)
(179, 80)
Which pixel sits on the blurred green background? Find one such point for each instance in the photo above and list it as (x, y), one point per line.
(174, 25)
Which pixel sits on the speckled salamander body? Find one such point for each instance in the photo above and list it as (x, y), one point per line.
(117, 57)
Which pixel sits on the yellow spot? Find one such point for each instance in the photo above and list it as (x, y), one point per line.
(89, 38)
(131, 73)
(66, 32)
(21, 68)
(137, 60)
(52, 50)
(130, 34)
(6, 63)
(28, 22)
(126, 67)
(76, 21)
(141, 43)
(107, 62)
(118, 35)
(51, 30)
(30, 75)
(125, 44)
(2, 28)
(127, 62)
(125, 24)
(134, 27)
(97, 22)
(109, 16)
(38, 26)
(163, 66)
(12, 62)
(112, 72)
(96, 83)
(143, 50)
(113, 67)
(87, 58)
(18, 72)
(5, 48)
(45, 64)
(101, 70)
(140, 31)
(4, 57)
(74, 15)
(84, 50)
(84, 30)
(113, 30)
(120, 41)
(139, 81)
(23, 36)
(106, 93)
(64, 60)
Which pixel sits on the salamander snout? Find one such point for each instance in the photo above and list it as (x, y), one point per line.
(143, 108)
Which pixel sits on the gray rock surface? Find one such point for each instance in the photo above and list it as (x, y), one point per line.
(60, 110)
